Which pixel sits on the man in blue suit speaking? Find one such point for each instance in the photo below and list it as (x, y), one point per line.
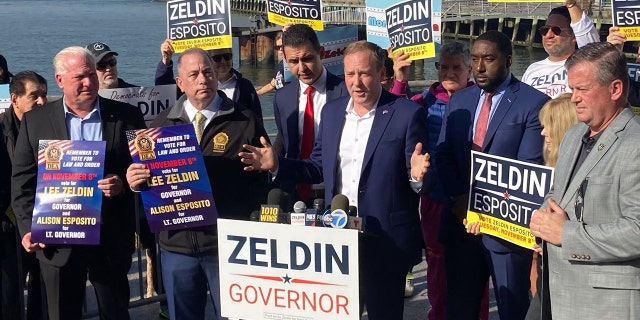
(499, 116)
(369, 149)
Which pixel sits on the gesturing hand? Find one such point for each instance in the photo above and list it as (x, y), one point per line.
(257, 158)
(419, 163)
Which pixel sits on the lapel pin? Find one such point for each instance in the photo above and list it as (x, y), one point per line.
(385, 111)
(600, 146)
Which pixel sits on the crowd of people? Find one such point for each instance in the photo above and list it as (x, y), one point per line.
(403, 160)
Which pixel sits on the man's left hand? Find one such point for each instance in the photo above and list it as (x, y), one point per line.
(111, 185)
(419, 163)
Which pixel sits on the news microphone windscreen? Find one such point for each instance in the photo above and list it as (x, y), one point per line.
(299, 207)
(255, 215)
(353, 211)
(340, 201)
(275, 196)
(319, 205)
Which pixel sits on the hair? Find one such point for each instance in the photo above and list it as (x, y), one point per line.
(563, 11)
(278, 36)
(388, 65)
(60, 59)
(194, 50)
(454, 49)
(298, 35)
(607, 61)
(557, 116)
(378, 54)
(500, 39)
(19, 81)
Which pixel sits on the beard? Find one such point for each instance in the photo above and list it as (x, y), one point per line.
(109, 83)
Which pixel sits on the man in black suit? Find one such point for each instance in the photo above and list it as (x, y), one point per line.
(81, 115)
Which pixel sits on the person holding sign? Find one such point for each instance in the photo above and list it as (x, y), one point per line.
(498, 116)
(566, 27)
(222, 127)
(591, 217)
(369, 149)
(81, 115)
(107, 66)
(230, 81)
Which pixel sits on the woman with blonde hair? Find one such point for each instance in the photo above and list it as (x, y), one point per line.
(556, 117)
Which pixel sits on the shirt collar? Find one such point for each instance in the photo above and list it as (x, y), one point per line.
(232, 78)
(371, 112)
(94, 112)
(502, 87)
(209, 111)
(320, 85)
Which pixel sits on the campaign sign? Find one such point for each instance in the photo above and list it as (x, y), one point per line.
(205, 24)
(626, 16)
(634, 75)
(150, 100)
(409, 28)
(503, 195)
(5, 101)
(377, 21)
(283, 12)
(333, 41)
(178, 193)
(280, 271)
(68, 201)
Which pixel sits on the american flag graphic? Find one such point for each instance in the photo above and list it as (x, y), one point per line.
(43, 144)
(154, 133)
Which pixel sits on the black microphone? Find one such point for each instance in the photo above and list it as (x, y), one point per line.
(271, 212)
(319, 208)
(354, 222)
(299, 213)
(338, 217)
(318, 204)
(255, 215)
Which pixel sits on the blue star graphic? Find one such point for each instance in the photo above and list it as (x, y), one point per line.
(286, 279)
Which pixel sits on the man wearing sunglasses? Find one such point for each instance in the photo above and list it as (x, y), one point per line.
(107, 66)
(230, 81)
(566, 27)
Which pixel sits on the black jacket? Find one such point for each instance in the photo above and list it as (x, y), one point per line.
(236, 192)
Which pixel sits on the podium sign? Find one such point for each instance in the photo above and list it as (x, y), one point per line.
(279, 271)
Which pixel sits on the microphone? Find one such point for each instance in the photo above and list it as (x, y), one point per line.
(318, 209)
(338, 215)
(318, 204)
(272, 212)
(255, 215)
(298, 216)
(354, 221)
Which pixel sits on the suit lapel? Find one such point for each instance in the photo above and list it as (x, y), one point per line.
(292, 121)
(503, 107)
(602, 146)
(383, 115)
(58, 122)
(332, 135)
(108, 123)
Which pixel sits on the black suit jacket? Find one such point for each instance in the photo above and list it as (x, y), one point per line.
(48, 122)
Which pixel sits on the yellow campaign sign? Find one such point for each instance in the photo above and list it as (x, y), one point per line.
(503, 229)
(317, 25)
(208, 43)
(418, 52)
(632, 33)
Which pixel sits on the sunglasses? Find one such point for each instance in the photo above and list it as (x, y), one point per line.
(218, 57)
(109, 63)
(555, 29)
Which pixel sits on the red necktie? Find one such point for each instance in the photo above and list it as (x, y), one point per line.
(482, 123)
(308, 128)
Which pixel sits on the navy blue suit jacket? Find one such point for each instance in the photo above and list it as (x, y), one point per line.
(513, 132)
(285, 110)
(386, 201)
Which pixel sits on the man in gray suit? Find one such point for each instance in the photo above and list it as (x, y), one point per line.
(591, 220)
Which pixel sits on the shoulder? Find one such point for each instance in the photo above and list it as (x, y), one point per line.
(528, 92)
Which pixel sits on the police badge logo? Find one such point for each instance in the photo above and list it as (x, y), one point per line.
(52, 157)
(145, 146)
(220, 142)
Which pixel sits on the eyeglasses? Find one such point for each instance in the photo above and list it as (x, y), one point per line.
(278, 47)
(109, 63)
(218, 57)
(555, 29)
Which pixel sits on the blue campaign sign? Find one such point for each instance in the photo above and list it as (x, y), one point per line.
(409, 28)
(283, 12)
(503, 195)
(178, 194)
(626, 16)
(68, 202)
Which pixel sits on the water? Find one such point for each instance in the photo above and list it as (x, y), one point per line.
(33, 31)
